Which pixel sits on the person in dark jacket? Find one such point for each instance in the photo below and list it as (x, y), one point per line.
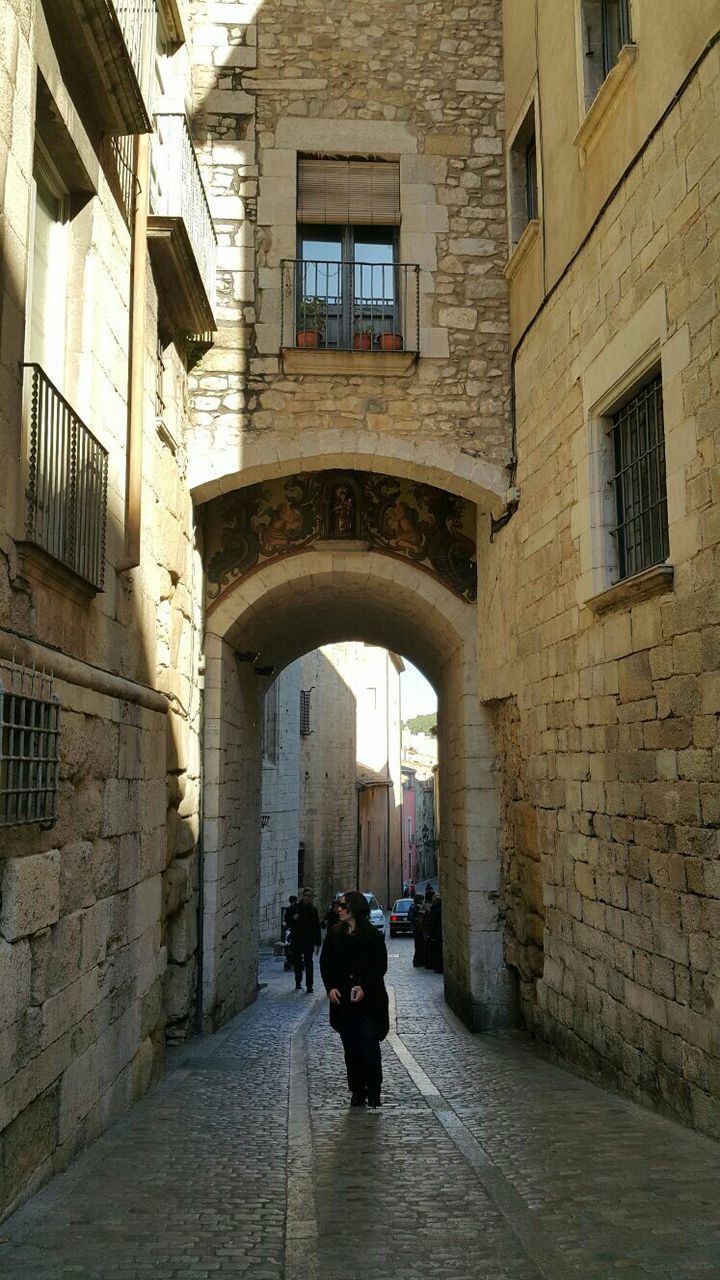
(418, 936)
(353, 965)
(305, 937)
(287, 912)
(332, 916)
(435, 938)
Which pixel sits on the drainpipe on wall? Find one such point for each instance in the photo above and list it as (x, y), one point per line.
(136, 372)
(391, 789)
(200, 860)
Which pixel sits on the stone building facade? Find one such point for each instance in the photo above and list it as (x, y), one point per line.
(605, 696)
(280, 800)
(578, 696)
(330, 817)
(97, 914)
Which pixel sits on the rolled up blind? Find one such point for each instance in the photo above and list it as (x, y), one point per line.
(349, 192)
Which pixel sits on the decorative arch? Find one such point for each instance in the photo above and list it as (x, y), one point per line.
(354, 510)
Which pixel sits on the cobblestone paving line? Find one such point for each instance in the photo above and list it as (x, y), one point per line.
(485, 1163)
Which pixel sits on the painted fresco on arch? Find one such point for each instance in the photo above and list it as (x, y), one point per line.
(249, 527)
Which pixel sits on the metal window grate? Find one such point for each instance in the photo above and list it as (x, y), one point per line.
(639, 481)
(67, 483)
(304, 712)
(29, 748)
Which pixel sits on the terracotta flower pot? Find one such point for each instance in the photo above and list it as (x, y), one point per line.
(362, 341)
(308, 338)
(390, 342)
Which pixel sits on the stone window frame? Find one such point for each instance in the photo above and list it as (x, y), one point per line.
(424, 218)
(608, 378)
(522, 230)
(593, 108)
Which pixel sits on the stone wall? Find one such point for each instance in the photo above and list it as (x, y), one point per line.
(231, 833)
(618, 711)
(280, 80)
(97, 915)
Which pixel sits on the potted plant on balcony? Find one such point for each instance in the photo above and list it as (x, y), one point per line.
(390, 341)
(311, 318)
(363, 340)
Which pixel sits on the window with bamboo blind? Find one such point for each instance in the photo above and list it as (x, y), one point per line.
(348, 192)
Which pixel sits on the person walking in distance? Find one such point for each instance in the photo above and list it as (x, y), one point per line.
(305, 937)
(353, 965)
(287, 913)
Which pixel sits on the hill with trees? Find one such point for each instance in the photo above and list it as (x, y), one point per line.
(423, 724)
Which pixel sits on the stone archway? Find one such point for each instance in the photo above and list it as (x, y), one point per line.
(283, 609)
(244, 459)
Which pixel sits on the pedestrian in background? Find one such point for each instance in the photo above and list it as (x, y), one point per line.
(305, 938)
(353, 965)
(414, 918)
(435, 937)
(332, 916)
(292, 900)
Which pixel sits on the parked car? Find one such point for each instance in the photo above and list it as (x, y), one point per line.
(377, 915)
(399, 922)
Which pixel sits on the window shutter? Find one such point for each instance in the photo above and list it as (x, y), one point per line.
(349, 192)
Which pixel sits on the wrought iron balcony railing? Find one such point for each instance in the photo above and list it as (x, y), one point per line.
(346, 306)
(180, 226)
(109, 47)
(67, 482)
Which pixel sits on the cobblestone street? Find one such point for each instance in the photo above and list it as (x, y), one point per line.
(485, 1162)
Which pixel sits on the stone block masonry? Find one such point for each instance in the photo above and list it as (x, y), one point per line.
(617, 722)
(319, 79)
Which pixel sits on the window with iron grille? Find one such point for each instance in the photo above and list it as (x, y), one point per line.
(638, 452)
(305, 713)
(29, 749)
(606, 28)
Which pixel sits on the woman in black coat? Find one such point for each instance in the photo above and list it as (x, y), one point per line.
(353, 965)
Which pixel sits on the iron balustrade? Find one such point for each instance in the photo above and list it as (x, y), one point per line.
(138, 22)
(345, 306)
(67, 482)
(179, 192)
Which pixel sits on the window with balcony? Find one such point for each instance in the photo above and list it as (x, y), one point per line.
(106, 51)
(606, 30)
(181, 234)
(637, 449)
(66, 467)
(347, 289)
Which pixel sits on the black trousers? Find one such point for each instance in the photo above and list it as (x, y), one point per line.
(362, 1056)
(303, 959)
(419, 952)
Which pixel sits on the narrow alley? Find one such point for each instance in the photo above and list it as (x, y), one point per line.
(485, 1163)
